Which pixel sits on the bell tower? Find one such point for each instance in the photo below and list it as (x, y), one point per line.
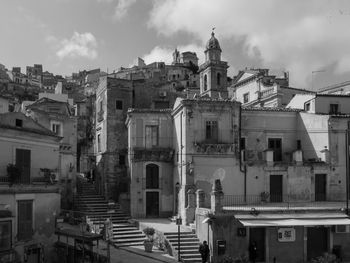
(213, 72)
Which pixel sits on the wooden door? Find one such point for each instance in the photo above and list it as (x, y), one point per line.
(25, 219)
(276, 188)
(23, 163)
(152, 204)
(257, 235)
(320, 187)
(317, 241)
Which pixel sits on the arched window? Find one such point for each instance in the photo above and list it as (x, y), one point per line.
(218, 79)
(152, 176)
(205, 82)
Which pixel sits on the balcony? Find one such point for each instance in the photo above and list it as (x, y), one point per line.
(153, 154)
(214, 148)
(44, 182)
(268, 92)
(267, 202)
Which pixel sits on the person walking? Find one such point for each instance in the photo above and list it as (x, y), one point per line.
(204, 251)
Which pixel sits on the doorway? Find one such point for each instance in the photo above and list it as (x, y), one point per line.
(152, 204)
(276, 188)
(320, 187)
(257, 235)
(317, 241)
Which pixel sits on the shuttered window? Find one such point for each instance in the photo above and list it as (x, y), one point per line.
(151, 136)
(25, 219)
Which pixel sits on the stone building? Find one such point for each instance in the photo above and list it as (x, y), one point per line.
(273, 176)
(115, 94)
(258, 88)
(57, 116)
(150, 136)
(30, 198)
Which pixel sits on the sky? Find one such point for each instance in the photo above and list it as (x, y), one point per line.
(308, 38)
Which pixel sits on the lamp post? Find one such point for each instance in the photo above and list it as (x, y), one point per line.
(178, 223)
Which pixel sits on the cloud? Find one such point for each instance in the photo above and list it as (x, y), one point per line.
(122, 8)
(165, 54)
(299, 36)
(79, 45)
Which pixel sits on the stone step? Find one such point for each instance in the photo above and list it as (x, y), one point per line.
(192, 260)
(183, 239)
(190, 248)
(190, 256)
(181, 235)
(132, 236)
(175, 233)
(184, 243)
(128, 232)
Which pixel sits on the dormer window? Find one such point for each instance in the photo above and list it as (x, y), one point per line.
(19, 123)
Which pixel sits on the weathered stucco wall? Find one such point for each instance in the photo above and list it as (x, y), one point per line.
(46, 206)
(40, 148)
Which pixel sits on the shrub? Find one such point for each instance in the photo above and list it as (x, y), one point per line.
(149, 232)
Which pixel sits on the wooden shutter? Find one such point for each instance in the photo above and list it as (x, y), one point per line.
(23, 162)
(139, 133)
(25, 219)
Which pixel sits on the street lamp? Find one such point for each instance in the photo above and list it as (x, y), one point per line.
(178, 223)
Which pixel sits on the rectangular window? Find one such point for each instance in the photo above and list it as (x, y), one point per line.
(211, 131)
(99, 142)
(5, 235)
(151, 136)
(333, 108)
(25, 219)
(19, 123)
(275, 144)
(118, 104)
(246, 97)
(56, 128)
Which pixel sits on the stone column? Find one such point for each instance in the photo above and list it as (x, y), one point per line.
(217, 196)
(200, 198)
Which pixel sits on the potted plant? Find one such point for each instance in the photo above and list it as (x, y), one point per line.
(13, 172)
(148, 243)
(264, 196)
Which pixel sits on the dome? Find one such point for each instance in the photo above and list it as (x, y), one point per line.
(213, 43)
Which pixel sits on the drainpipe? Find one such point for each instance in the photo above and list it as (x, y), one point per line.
(242, 168)
(181, 116)
(347, 166)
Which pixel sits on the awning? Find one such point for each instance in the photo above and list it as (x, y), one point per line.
(307, 219)
(296, 222)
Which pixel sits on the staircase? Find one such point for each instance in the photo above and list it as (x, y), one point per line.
(97, 209)
(189, 245)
